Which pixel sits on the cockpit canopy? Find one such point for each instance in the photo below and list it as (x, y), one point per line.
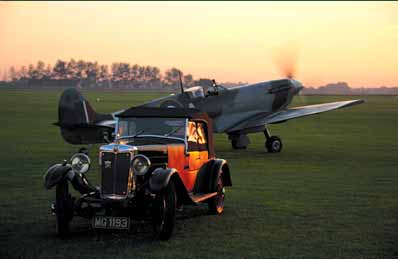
(195, 92)
(204, 91)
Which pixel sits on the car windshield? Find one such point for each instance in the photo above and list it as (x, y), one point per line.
(165, 127)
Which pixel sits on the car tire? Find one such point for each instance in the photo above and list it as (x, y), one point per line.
(164, 212)
(216, 204)
(274, 144)
(63, 209)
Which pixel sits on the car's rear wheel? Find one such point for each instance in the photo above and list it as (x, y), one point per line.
(63, 209)
(164, 212)
(216, 204)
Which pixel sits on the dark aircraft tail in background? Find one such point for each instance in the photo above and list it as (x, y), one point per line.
(78, 121)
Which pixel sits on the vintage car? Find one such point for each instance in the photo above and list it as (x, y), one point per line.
(159, 160)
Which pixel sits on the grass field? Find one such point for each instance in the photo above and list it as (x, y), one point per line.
(331, 193)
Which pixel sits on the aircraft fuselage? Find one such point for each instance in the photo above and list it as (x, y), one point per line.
(230, 106)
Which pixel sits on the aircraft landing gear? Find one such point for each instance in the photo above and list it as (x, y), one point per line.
(273, 144)
(239, 141)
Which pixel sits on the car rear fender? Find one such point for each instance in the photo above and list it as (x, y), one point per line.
(220, 166)
(161, 177)
(208, 174)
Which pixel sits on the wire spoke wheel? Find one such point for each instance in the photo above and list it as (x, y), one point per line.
(216, 204)
(63, 209)
(163, 212)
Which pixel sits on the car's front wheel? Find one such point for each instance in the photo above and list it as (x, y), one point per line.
(63, 209)
(164, 212)
(216, 204)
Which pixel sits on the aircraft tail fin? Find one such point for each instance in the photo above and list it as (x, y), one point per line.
(78, 121)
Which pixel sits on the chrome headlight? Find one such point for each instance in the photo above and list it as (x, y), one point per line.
(80, 163)
(140, 164)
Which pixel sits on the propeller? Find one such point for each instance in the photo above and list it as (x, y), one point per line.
(285, 58)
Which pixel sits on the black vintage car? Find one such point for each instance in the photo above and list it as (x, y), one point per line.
(159, 160)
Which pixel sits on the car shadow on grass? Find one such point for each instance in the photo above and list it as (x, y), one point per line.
(140, 232)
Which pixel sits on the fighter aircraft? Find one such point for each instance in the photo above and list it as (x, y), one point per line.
(236, 111)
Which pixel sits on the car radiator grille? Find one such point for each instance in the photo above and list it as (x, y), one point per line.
(115, 168)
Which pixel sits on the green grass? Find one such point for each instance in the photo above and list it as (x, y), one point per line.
(331, 193)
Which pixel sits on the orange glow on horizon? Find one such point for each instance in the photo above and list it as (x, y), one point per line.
(355, 42)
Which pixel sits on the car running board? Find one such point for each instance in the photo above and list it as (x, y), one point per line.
(202, 196)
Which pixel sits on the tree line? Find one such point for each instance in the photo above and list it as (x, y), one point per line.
(88, 74)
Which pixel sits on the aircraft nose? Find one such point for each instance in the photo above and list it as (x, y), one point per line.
(297, 86)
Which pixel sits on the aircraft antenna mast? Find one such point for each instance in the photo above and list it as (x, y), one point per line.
(181, 85)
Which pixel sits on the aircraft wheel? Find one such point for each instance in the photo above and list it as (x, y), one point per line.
(239, 141)
(235, 145)
(273, 144)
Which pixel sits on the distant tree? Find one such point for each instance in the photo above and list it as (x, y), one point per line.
(71, 69)
(91, 74)
(103, 73)
(155, 74)
(48, 72)
(172, 77)
(147, 73)
(13, 73)
(116, 76)
(134, 73)
(188, 80)
(92, 71)
(40, 70)
(23, 72)
(81, 68)
(32, 73)
(124, 72)
(59, 70)
(141, 74)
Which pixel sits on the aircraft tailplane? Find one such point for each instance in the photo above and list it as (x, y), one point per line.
(78, 121)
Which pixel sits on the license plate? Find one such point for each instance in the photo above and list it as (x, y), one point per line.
(111, 222)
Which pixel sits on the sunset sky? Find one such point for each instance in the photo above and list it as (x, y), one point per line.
(229, 41)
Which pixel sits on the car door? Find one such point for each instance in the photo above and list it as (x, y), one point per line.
(195, 153)
(193, 147)
(201, 129)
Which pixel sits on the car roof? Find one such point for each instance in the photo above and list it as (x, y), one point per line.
(160, 112)
(156, 112)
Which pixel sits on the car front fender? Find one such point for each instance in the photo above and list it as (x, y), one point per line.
(161, 177)
(55, 174)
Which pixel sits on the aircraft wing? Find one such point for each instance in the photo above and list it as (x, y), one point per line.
(295, 112)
